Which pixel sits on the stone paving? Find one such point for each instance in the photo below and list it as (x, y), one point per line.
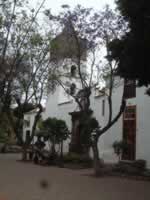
(22, 181)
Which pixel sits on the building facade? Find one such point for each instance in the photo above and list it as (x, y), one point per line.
(132, 127)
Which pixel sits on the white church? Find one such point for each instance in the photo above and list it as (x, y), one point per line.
(133, 127)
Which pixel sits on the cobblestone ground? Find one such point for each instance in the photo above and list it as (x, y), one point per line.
(21, 181)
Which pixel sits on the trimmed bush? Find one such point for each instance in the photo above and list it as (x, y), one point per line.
(76, 158)
(139, 164)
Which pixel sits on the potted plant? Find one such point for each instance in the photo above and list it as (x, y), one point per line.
(119, 147)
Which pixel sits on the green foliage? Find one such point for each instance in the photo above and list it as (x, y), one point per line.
(88, 125)
(72, 157)
(76, 158)
(55, 45)
(119, 147)
(3, 136)
(24, 61)
(140, 164)
(132, 50)
(4, 129)
(36, 39)
(54, 129)
(93, 124)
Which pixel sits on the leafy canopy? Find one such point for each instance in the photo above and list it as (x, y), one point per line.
(54, 129)
(132, 50)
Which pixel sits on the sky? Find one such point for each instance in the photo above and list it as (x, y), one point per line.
(55, 5)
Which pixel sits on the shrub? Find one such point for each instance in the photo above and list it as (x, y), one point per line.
(139, 164)
(119, 147)
(72, 157)
(76, 158)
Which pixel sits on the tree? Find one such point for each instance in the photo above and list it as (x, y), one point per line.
(24, 60)
(5, 129)
(56, 131)
(87, 32)
(132, 50)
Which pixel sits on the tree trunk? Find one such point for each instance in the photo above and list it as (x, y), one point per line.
(97, 163)
(53, 150)
(36, 119)
(24, 153)
(61, 155)
(61, 149)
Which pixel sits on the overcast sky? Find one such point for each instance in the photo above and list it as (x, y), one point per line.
(55, 5)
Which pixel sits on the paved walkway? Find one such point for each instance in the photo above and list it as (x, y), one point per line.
(21, 181)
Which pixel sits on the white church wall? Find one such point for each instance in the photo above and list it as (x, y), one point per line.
(51, 105)
(143, 126)
(28, 117)
(115, 132)
(142, 102)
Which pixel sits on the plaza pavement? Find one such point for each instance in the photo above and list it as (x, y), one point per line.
(22, 181)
